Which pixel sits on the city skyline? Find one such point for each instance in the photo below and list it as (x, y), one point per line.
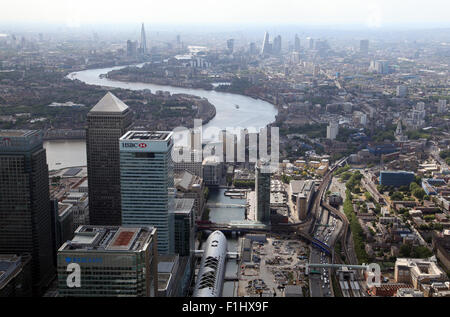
(135, 157)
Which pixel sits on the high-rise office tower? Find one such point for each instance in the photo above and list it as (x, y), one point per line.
(277, 45)
(147, 183)
(108, 120)
(143, 47)
(297, 43)
(184, 226)
(262, 188)
(131, 48)
(266, 45)
(364, 46)
(114, 261)
(311, 43)
(442, 106)
(252, 48)
(230, 45)
(25, 217)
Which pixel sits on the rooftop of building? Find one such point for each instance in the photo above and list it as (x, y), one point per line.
(163, 281)
(299, 186)
(10, 263)
(109, 238)
(16, 133)
(63, 208)
(147, 135)
(211, 160)
(183, 205)
(109, 103)
(422, 267)
(396, 172)
(186, 180)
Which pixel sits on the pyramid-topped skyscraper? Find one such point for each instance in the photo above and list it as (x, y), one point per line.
(108, 120)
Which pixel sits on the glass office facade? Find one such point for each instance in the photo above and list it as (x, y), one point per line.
(147, 186)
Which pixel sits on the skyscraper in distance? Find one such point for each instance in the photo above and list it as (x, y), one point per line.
(230, 45)
(252, 49)
(364, 46)
(297, 43)
(25, 217)
(276, 48)
(143, 47)
(108, 120)
(147, 183)
(266, 45)
(311, 43)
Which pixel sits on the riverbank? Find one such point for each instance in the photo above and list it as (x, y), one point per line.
(129, 77)
(251, 113)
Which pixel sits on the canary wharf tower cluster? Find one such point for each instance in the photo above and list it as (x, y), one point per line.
(130, 172)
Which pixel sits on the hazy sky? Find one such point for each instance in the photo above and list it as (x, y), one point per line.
(371, 13)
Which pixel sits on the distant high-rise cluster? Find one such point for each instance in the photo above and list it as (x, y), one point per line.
(271, 48)
(139, 49)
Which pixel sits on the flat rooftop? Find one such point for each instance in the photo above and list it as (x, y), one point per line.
(108, 238)
(15, 133)
(183, 205)
(147, 135)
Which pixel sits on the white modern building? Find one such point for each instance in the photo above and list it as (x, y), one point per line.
(332, 130)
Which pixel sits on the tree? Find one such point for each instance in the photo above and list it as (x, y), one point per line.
(419, 193)
(413, 186)
(405, 251)
(397, 196)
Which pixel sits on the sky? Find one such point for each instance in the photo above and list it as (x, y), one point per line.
(369, 13)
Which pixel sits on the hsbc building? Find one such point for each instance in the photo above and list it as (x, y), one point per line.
(146, 181)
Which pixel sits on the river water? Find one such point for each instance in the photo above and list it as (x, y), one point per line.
(251, 114)
(225, 215)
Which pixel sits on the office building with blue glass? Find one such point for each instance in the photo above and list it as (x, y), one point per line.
(113, 262)
(147, 185)
(396, 178)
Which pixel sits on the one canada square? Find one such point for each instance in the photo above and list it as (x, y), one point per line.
(108, 120)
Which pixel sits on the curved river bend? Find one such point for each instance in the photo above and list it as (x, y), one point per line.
(251, 113)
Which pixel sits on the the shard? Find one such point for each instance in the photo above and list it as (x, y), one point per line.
(143, 47)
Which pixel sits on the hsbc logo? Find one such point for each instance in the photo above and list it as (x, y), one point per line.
(134, 145)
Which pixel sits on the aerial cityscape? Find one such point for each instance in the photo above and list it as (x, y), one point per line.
(161, 157)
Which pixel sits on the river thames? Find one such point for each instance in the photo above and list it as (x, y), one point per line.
(251, 114)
